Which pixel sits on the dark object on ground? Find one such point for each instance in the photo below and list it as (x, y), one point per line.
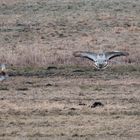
(49, 85)
(51, 67)
(78, 71)
(96, 104)
(72, 108)
(82, 104)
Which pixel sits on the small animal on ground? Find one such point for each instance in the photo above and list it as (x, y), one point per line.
(96, 104)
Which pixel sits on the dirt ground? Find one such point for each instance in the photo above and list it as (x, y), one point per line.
(50, 94)
(59, 105)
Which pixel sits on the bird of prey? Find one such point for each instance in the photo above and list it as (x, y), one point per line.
(3, 74)
(101, 59)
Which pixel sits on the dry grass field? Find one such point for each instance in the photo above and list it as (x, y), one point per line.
(50, 94)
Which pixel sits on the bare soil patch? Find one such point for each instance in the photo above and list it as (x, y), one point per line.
(60, 105)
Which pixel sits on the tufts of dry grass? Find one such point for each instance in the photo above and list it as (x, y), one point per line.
(38, 55)
(42, 33)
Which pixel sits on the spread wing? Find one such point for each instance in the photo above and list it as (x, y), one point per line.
(90, 55)
(110, 55)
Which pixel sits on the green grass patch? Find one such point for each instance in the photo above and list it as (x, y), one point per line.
(111, 72)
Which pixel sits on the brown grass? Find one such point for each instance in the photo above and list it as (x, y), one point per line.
(39, 39)
(63, 109)
(38, 103)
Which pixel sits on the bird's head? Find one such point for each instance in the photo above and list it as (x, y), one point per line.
(101, 64)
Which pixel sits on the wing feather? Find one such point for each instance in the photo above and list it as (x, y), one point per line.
(90, 55)
(110, 55)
